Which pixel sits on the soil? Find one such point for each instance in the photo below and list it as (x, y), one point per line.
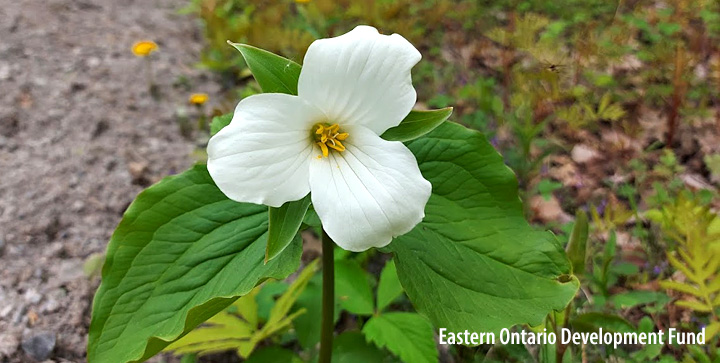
(80, 136)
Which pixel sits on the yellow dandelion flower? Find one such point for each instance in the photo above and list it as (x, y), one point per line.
(302, 1)
(144, 47)
(198, 98)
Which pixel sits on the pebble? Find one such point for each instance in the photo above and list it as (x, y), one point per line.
(50, 306)
(32, 296)
(5, 311)
(5, 71)
(40, 345)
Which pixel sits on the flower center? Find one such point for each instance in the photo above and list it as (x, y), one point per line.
(329, 137)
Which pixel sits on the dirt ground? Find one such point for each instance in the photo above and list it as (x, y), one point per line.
(80, 136)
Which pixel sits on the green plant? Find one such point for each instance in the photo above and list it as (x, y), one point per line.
(239, 328)
(184, 251)
(696, 232)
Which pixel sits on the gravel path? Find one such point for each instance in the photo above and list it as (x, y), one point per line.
(80, 136)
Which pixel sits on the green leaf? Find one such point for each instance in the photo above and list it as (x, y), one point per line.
(686, 288)
(711, 330)
(695, 305)
(182, 253)
(279, 318)
(266, 297)
(92, 267)
(306, 325)
(286, 301)
(236, 328)
(593, 321)
(218, 122)
(352, 288)
(609, 253)
(225, 332)
(407, 335)
(416, 124)
(351, 347)
(639, 297)
(546, 187)
(273, 354)
(474, 262)
(577, 246)
(389, 287)
(272, 72)
(284, 225)
(247, 306)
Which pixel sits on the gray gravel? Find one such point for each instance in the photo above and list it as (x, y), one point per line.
(77, 125)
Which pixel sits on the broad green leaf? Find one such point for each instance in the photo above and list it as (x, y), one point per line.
(351, 347)
(593, 321)
(407, 335)
(577, 246)
(352, 288)
(284, 225)
(474, 262)
(416, 124)
(272, 72)
(182, 253)
(218, 122)
(389, 287)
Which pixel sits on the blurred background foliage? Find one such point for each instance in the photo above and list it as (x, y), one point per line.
(609, 109)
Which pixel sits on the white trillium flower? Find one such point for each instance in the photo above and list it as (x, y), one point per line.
(326, 142)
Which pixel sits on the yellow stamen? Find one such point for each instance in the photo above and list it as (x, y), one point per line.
(328, 137)
(337, 145)
(324, 149)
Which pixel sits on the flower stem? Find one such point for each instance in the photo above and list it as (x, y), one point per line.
(328, 299)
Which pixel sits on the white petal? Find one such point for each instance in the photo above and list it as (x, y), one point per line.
(263, 156)
(361, 77)
(369, 193)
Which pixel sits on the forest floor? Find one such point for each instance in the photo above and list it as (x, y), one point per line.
(80, 136)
